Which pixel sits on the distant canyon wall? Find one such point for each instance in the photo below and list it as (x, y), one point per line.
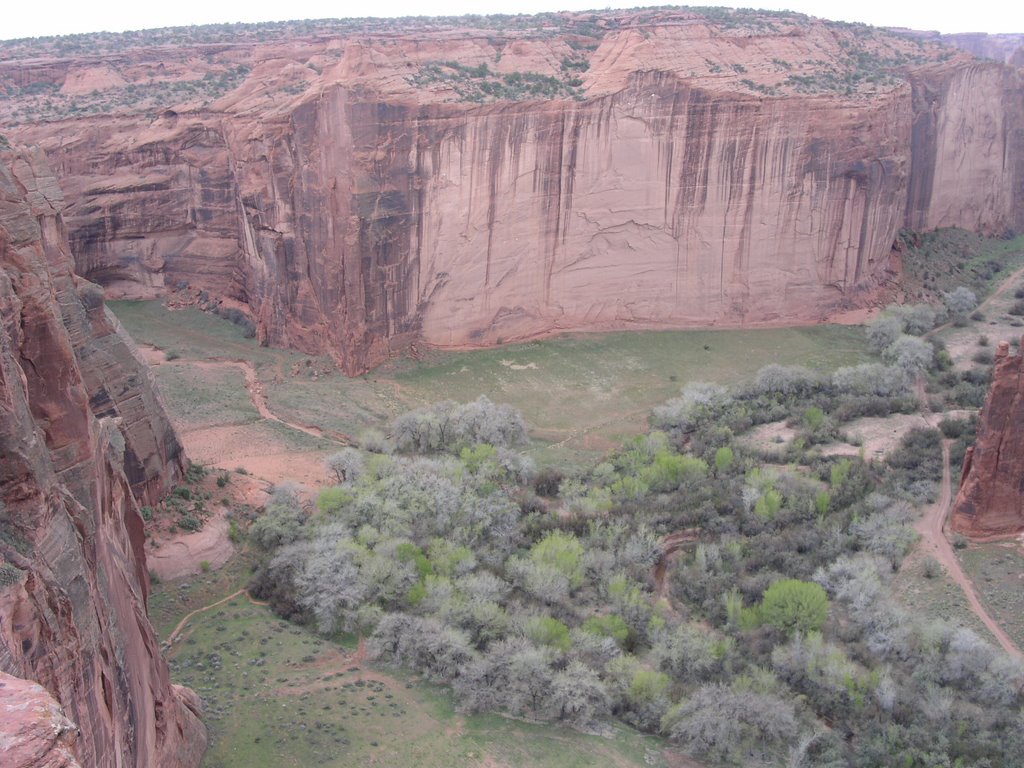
(83, 441)
(361, 218)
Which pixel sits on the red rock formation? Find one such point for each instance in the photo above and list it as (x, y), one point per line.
(33, 731)
(82, 437)
(351, 193)
(991, 497)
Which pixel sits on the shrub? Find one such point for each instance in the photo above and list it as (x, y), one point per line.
(952, 428)
(794, 606)
(189, 523)
(610, 625)
(548, 631)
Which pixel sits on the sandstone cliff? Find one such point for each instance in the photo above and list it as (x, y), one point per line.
(357, 187)
(991, 497)
(83, 437)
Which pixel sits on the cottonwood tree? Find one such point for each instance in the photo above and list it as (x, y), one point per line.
(578, 695)
(447, 426)
(733, 723)
(346, 465)
(960, 300)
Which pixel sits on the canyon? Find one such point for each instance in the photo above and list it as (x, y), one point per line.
(84, 441)
(355, 188)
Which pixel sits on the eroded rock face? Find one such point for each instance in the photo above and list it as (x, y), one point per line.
(83, 438)
(33, 730)
(991, 497)
(349, 191)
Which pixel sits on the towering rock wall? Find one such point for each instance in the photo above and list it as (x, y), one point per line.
(356, 192)
(991, 497)
(83, 437)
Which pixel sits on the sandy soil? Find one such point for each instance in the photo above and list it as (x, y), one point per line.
(183, 554)
(232, 447)
(235, 446)
(171, 556)
(874, 435)
(774, 435)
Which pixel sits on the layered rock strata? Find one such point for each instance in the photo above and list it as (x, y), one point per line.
(356, 190)
(83, 438)
(990, 501)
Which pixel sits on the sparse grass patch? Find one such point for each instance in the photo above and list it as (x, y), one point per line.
(923, 586)
(277, 695)
(997, 570)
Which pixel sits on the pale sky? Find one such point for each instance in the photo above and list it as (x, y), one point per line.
(61, 17)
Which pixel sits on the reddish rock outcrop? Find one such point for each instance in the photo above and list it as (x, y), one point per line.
(991, 497)
(83, 438)
(348, 186)
(33, 730)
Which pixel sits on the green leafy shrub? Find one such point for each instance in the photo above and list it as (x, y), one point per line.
(794, 606)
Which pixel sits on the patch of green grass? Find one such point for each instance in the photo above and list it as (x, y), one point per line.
(277, 695)
(581, 394)
(171, 601)
(592, 390)
(204, 397)
(997, 570)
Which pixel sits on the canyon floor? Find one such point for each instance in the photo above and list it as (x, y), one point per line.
(279, 695)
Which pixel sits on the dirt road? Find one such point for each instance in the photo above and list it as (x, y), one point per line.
(933, 540)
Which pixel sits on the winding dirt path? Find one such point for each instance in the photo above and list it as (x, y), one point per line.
(254, 387)
(176, 633)
(259, 401)
(932, 528)
(1002, 288)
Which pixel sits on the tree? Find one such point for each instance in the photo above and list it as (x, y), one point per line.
(910, 353)
(449, 426)
(871, 379)
(733, 723)
(794, 606)
(883, 331)
(697, 403)
(282, 520)
(960, 301)
(562, 552)
(346, 465)
(545, 630)
(723, 459)
(578, 695)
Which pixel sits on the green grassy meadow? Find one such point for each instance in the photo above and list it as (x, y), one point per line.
(581, 394)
